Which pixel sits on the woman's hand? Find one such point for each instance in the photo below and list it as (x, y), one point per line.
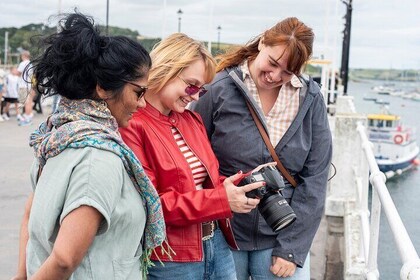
(238, 202)
(282, 268)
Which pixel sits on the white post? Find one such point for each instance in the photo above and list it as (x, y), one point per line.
(372, 260)
(210, 33)
(6, 47)
(163, 19)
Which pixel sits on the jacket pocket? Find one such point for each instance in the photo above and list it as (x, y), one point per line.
(124, 268)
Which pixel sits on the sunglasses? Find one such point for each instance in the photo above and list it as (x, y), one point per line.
(192, 89)
(141, 89)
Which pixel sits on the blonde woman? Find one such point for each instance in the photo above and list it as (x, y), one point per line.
(172, 144)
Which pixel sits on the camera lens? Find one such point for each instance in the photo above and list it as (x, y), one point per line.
(276, 211)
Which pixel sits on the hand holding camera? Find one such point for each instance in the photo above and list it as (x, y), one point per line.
(238, 201)
(273, 207)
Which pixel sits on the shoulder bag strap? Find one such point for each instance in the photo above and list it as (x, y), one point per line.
(270, 146)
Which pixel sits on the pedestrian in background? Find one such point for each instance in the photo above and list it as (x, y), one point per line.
(11, 93)
(26, 92)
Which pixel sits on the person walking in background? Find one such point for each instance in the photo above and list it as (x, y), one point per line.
(173, 147)
(94, 214)
(266, 73)
(1, 101)
(26, 92)
(11, 93)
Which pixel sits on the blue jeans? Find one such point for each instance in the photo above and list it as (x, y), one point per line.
(257, 265)
(217, 264)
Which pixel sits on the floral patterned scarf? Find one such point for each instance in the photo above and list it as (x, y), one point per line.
(89, 123)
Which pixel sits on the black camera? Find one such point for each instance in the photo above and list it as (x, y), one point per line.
(273, 207)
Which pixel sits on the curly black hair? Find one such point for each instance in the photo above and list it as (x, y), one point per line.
(78, 58)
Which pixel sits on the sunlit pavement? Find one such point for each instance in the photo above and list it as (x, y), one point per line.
(15, 160)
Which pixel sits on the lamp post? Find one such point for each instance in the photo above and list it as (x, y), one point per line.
(344, 72)
(107, 16)
(218, 37)
(179, 19)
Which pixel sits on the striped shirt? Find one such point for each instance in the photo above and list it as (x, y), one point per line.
(285, 109)
(197, 168)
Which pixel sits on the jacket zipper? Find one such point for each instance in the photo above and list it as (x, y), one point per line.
(199, 228)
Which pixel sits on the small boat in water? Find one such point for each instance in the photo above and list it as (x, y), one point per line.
(395, 146)
(381, 102)
(385, 89)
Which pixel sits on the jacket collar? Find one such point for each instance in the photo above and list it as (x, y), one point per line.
(172, 119)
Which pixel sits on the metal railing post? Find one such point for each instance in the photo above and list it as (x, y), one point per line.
(407, 252)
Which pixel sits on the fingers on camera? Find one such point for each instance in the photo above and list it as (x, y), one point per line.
(254, 186)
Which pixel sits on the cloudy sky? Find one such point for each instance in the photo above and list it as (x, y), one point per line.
(385, 33)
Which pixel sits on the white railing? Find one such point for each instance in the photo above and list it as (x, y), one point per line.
(348, 198)
(381, 197)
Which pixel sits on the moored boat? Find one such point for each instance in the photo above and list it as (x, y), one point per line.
(395, 145)
(385, 89)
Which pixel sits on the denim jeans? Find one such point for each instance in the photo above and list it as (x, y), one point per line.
(217, 264)
(257, 265)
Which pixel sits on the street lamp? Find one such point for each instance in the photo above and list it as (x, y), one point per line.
(107, 17)
(218, 37)
(179, 19)
(345, 54)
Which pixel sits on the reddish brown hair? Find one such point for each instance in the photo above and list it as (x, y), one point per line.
(290, 32)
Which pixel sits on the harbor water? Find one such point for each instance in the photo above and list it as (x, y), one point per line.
(405, 189)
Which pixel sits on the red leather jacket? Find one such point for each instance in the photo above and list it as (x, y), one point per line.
(185, 208)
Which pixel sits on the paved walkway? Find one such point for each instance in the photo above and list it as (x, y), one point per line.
(16, 159)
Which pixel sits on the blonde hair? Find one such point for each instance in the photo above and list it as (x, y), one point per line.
(172, 55)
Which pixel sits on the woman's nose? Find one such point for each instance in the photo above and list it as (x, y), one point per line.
(141, 103)
(195, 96)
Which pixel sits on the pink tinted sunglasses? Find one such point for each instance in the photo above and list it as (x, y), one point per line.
(192, 89)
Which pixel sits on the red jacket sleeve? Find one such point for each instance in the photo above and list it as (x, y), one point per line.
(179, 208)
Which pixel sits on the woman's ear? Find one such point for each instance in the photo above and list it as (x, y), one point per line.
(260, 43)
(102, 94)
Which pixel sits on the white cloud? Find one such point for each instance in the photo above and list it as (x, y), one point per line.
(384, 33)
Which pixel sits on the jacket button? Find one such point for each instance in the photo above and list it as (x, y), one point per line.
(290, 256)
(172, 121)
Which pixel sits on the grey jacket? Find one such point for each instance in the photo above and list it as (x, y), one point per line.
(305, 150)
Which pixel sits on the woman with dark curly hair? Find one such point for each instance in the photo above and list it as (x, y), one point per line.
(94, 213)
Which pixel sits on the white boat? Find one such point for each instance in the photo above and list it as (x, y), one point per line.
(415, 96)
(397, 92)
(395, 145)
(385, 89)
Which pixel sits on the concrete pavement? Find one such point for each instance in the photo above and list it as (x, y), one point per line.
(15, 160)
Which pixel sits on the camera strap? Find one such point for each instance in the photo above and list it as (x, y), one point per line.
(270, 147)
